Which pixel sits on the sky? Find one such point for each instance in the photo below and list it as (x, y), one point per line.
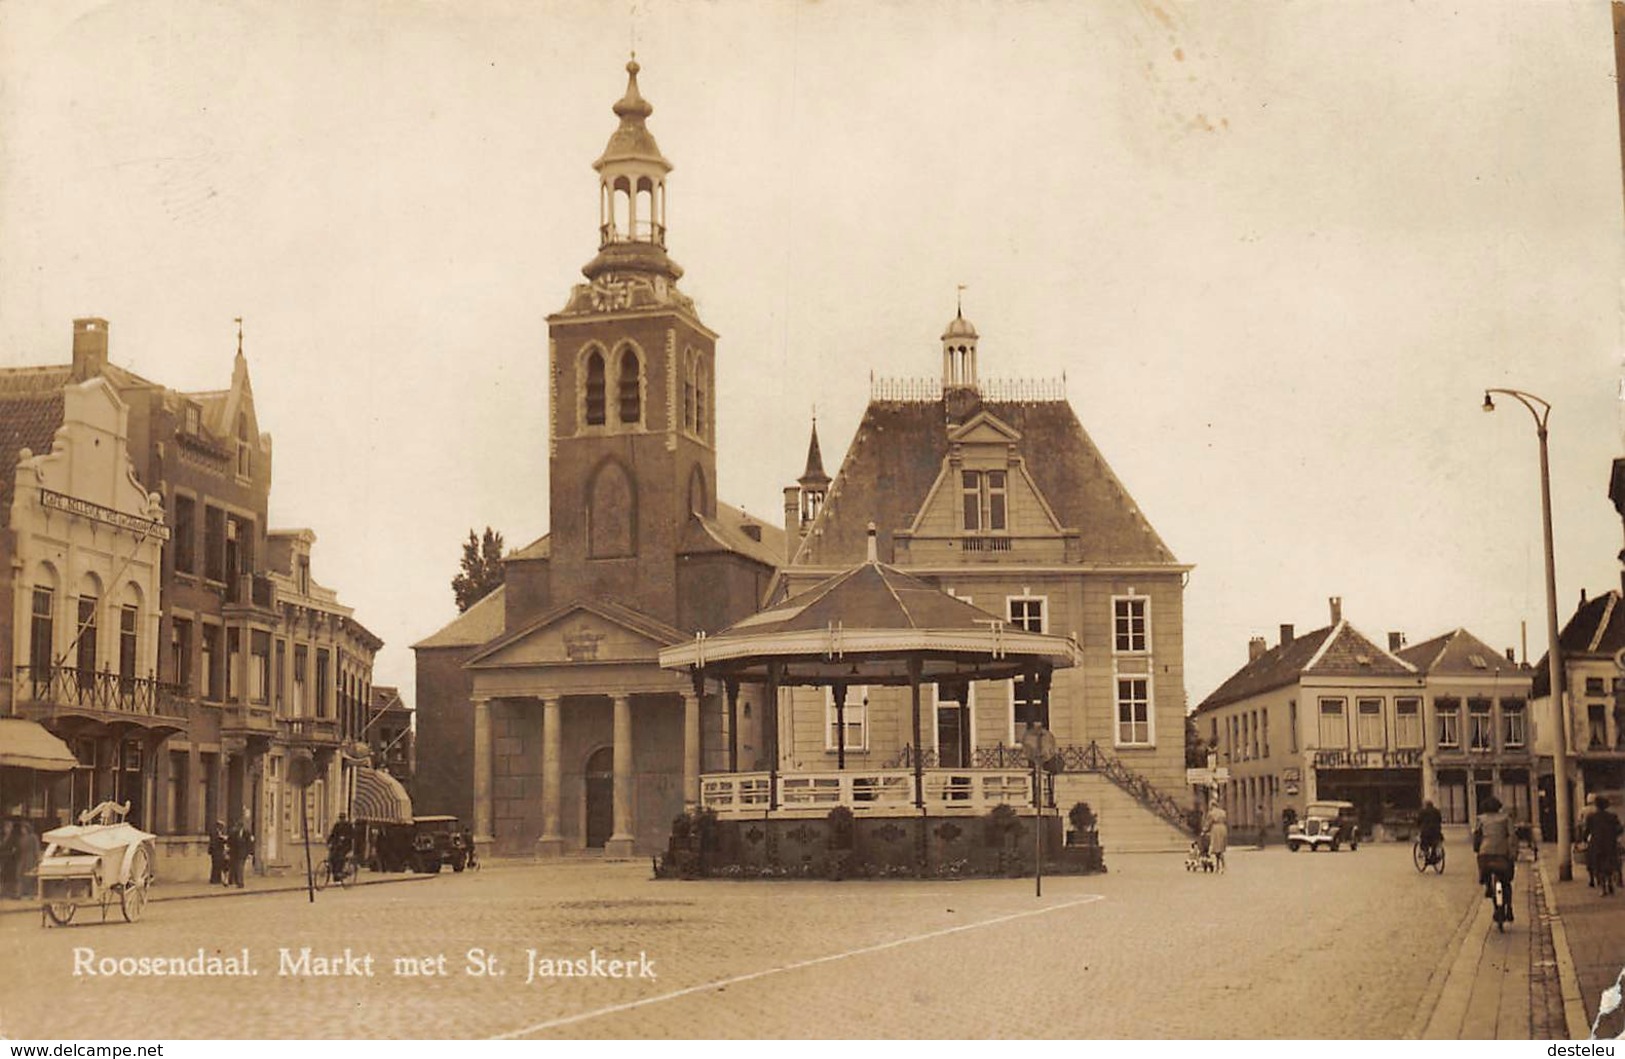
(1278, 250)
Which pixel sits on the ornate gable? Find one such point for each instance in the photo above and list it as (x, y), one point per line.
(581, 634)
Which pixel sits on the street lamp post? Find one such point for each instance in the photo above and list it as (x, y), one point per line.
(1542, 411)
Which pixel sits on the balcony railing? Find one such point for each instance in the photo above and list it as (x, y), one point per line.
(107, 692)
(323, 731)
(882, 792)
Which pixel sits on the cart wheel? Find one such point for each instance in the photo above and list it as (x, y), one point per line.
(133, 900)
(61, 912)
(324, 875)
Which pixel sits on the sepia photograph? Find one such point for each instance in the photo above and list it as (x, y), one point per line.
(509, 530)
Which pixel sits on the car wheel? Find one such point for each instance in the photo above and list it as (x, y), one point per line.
(1333, 846)
(1293, 845)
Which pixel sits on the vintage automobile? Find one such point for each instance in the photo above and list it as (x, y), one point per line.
(437, 841)
(1325, 825)
(98, 861)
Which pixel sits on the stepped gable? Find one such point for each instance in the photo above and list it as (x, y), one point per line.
(898, 452)
(1279, 666)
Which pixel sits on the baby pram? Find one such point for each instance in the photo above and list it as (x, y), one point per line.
(1199, 859)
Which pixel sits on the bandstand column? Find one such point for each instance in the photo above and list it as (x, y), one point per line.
(691, 749)
(551, 844)
(482, 770)
(732, 690)
(620, 840)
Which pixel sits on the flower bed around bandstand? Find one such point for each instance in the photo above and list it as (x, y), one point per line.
(840, 845)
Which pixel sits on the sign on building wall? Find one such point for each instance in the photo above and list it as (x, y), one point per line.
(96, 512)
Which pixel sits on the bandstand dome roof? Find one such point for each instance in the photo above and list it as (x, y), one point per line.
(866, 626)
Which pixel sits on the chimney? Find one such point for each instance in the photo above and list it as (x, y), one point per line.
(792, 520)
(89, 348)
(873, 549)
(1396, 640)
(1256, 648)
(1337, 608)
(1512, 656)
(1286, 634)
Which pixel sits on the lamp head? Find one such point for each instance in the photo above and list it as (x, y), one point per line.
(1489, 404)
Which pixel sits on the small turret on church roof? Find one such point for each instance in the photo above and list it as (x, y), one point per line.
(814, 476)
(632, 142)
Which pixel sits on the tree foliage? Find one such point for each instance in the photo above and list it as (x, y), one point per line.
(482, 568)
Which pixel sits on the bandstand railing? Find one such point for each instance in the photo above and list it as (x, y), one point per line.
(877, 792)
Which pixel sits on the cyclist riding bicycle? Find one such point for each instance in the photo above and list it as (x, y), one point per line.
(1493, 842)
(1431, 824)
(340, 841)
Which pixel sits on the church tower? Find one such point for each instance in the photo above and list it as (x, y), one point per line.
(632, 434)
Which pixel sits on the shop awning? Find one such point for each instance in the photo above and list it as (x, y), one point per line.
(380, 798)
(25, 744)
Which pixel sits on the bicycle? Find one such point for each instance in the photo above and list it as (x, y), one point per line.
(348, 873)
(1426, 857)
(1500, 894)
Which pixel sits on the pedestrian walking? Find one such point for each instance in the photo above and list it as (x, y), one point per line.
(1259, 821)
(217, 855)
(1218, 836)
(239, 847)
(9, 858)
(28, 853)
(1604, 847)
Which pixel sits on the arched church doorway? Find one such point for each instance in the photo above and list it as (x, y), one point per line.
(600, 797)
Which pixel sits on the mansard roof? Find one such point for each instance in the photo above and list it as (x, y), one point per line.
(898, 452)
(1338, 650)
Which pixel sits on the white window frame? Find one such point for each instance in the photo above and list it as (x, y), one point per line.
(1342, 715)
(1454, 714)
(970, 716)
(1521, 712)
(1117, 711)
(1360, 704)
(1404, 740)
(1145, 622)
(980, 486)
(857, 701)
(1043, 611)
(1010, 712)
(1487, 728)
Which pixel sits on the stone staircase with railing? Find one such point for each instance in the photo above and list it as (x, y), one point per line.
(1134, 816)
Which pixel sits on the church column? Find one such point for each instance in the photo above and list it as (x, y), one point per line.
(691, 749)
(482, 770)
(551, 844)
(620, 841)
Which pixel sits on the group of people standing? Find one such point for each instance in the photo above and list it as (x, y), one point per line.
(19, 857)
(229, 852)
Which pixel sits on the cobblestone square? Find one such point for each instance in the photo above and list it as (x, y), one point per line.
(1147, 950)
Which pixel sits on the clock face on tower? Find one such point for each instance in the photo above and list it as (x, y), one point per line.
(609, 292)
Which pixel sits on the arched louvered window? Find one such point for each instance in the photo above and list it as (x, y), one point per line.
(595, 390)
(630, 384)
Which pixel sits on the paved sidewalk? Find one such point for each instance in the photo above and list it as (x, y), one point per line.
(1483, 983)
(185, 891)
(1593, 927)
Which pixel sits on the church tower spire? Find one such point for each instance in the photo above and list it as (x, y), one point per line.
(632, 193)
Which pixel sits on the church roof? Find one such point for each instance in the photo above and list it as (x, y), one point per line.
(481, 623)
(898, 452)
(726, 533)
